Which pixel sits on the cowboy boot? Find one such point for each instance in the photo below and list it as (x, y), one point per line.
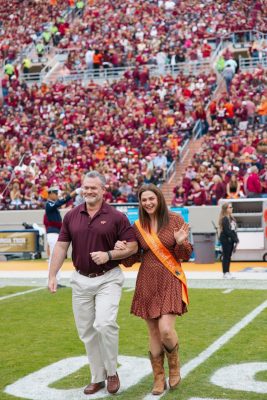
(159, 373)
(174, 366)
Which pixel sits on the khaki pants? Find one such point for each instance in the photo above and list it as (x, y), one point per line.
(95, 303)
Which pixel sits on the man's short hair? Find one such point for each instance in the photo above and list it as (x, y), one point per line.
(96, 174)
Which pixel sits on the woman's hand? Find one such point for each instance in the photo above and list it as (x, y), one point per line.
(120, 245)
(180, 235)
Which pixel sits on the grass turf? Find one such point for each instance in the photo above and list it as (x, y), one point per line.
(37, 329)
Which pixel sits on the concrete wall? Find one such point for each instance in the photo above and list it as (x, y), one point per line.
(200, 218)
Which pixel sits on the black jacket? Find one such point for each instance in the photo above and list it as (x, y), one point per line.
(228, 234)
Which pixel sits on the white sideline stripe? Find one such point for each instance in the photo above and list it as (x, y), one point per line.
(20, 293)
(228, 291)
(130, 289)
(204, 355)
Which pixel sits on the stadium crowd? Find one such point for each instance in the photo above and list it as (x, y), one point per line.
(119, 33)
(23, 22)
(120, 127)
(133, 128)
(232, 161)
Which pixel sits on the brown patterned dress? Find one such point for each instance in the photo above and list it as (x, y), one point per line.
(157, 291)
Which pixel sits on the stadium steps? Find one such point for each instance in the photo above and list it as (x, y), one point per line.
(167, 187)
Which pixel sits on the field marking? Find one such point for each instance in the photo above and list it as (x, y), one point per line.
(226, 291)
(21, 293)
(206, 398)
(204, 355)
(129, 289)
(35, 386)
(241, 377)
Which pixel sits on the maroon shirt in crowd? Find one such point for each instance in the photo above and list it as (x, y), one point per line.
(99, 233)
(253, 184)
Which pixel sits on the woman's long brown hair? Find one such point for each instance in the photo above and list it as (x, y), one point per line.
(162, 212)
(223, 214)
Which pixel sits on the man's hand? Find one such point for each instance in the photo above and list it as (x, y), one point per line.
(52, 284)
(100, 257)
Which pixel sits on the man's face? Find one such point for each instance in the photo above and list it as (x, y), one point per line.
(54, 196)
(93, 191)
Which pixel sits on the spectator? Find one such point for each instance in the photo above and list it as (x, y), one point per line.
(124, 188)
(179, 198)
(228, 75)
(53, 219)
(89, 58)
(253, 183)
(15, 194)
(233, 188)
(262, 110)
(197, 196)
(228, 237)
(217, 190)
(160, 162)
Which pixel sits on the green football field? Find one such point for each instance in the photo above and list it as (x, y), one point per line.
(223, 347)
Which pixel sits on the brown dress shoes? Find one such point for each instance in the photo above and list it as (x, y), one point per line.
(94, 387)
(113, 384)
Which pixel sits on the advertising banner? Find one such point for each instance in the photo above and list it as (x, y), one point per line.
(18, 241)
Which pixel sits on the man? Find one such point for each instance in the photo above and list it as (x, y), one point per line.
(228, 75)
(93, 229)
(160, 162)
(53, 219)
(253, 184)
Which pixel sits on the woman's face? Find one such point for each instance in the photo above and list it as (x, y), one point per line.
(229, 209)
(149, 202)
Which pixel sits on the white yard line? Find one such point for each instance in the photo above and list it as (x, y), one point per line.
(204, 355)
(226, 291)
(21, 293)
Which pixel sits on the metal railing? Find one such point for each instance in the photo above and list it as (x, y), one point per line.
(252, 63)
(111, 74)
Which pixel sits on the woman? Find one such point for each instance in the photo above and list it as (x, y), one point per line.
(217, 190)
(233, 188)
(15, 194)
(228, 237)
(161, 291)
(179, 198)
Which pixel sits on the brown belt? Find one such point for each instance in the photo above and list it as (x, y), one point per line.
(93, 274)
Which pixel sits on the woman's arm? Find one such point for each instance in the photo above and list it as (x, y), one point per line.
(183, 249)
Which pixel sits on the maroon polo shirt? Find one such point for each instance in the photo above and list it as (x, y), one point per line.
(99, 233)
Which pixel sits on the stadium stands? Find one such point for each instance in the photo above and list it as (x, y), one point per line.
(50, 133)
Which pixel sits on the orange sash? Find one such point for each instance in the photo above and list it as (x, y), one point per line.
(165, 257)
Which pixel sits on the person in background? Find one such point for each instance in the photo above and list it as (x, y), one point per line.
(254, 187)
(53, 219)
(161, 289)
(233, 188)
(228, 237)
(93, 228)
(218, 190)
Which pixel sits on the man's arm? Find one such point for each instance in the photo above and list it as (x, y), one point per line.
(59, 255)
(102, 257)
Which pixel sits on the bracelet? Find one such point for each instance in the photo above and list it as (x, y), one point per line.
(109, 255)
